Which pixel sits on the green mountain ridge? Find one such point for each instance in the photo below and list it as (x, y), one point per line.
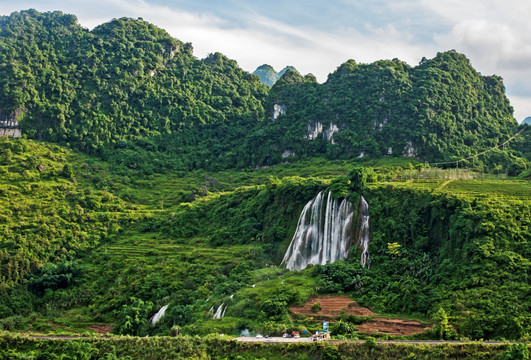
(129, 92)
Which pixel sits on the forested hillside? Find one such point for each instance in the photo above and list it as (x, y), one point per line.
(132, 94)
(125, 89)
(81, 245)
(438, 111)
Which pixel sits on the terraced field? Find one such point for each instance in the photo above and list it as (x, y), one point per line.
(332, 306)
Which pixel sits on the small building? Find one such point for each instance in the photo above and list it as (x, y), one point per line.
(10, 127)
(321, 335)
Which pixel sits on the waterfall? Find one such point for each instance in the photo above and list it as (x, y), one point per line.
(324, 233)
(155, 318)
(220, 312)
(363, 238)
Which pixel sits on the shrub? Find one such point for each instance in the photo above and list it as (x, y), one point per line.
(316, 307)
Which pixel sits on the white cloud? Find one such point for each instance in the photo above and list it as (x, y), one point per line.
(522, 107)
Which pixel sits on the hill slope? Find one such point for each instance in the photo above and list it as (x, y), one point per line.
(132, 94)
(440, 110)
(82, 245)
(122, 82)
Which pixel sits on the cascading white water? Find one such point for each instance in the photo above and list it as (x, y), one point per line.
(155, 318)
(220, 312)
(363, 238)
(324, 233)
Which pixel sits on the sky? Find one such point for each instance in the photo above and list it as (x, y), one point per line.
(317, 36)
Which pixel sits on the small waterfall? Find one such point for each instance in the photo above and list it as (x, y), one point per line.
(220, 312)
(363, 238)
(155, 318)
(324, 233)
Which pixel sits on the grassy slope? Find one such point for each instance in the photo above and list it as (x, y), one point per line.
(130, 257)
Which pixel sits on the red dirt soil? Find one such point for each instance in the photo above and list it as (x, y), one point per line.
(396, 327)
(331, 307)
(100, 328)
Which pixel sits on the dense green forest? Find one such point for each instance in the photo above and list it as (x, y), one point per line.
(148, 178)
(125, 90)
(131, 94)
(440, 110)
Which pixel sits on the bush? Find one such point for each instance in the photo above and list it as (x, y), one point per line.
(132, 319)
(516, 352)
(316, 307)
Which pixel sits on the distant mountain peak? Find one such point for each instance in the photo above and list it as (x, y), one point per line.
(269, 76)
(527, 121)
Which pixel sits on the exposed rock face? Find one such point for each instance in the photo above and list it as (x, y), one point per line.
(10, 132)
(314, 130)
(278, 110)
(329, 133)
(409, 150)
(9, 126)
(317, 128)
(287, 153)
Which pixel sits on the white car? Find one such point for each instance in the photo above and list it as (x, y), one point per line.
(259, 336)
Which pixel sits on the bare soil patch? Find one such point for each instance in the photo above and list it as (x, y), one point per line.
(331, 306)
(100, 328)
(396, 327)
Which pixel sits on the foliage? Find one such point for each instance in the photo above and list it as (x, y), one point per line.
(126, 91)
(393, 249)
(516, 352)
(197, 240)
(440, 110)
(133, 95)
(132, 319)
(441, 328)
(54, 276)
(47, 217)
(316, 307)
(14, 347)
